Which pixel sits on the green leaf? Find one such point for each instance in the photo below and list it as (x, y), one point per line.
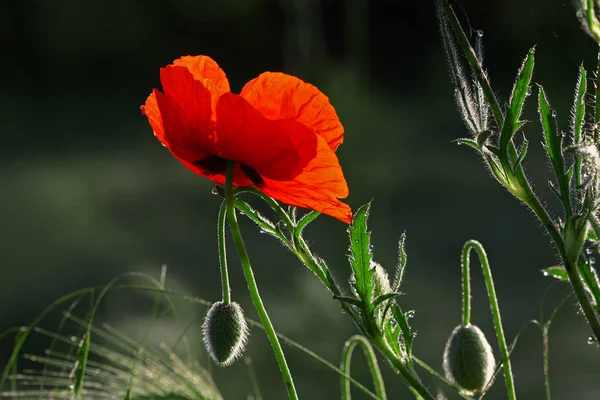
(470, 143)
(304, 221)
(578, 112)
(349, 300)
(558, 272)
(360, 255)
(553, 143)
(402, 259)
(579, 105)
(521, 88)
(82, 364)
(517, 99)
(590, 278)
(402, 321)
(380, 299)
(521, 154)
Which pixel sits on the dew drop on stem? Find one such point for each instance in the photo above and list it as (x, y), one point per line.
(554, 113)
(214, 191)
(480, 33)
(591, 340)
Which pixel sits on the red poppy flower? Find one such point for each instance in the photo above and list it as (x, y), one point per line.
(281, 132)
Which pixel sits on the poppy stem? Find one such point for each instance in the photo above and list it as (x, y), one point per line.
(489, 283)
(223, 254)
(252, 287)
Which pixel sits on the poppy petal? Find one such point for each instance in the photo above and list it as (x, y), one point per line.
(276, 151)
(172, 128)
(281, 96)
(206, 70)
(318, 187)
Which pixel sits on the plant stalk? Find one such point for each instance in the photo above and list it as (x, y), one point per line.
(412, 382)
(349, 347)
(489, 283)
(252, 286)
(223, 254)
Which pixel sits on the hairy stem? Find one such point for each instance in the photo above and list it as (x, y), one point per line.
(466, 289)
(489, 283)
(413, 383)
(252, 286)
(349, 347)
(223, 254)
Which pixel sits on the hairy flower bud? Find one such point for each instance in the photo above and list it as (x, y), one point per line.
(468, 358)
(225, 332)
(381, 281)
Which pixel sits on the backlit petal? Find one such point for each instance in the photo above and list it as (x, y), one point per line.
(205, 70)
(281, 96)
(172, 128)
(318, 187)
(278, 151)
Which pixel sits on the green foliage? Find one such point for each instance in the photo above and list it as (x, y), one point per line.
(576, 177)
(361, 257)
(521, 90)
(558, 272)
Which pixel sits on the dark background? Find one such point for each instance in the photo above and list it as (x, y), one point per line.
(87, 192)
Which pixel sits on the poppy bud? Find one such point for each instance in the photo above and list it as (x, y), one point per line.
(225, 332)
(468, 358)
(381, 281)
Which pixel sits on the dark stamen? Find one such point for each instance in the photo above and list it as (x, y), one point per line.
(252, 175)
(213, 164)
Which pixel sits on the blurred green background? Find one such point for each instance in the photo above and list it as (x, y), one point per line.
(87, 192)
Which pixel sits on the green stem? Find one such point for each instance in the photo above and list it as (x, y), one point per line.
(474, 62)
(592, 21)
(597, 99)
(273, 204)
(570, 265)
(349, 347)
(466, 289)
(223, 254)
(489, 283)
(253, 288)
(412, 382)
(546, 361)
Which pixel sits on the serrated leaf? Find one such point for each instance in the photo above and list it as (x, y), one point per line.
(517, 100)
(401, 266)
(521, 88)
(360, 255)
(558, 272)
